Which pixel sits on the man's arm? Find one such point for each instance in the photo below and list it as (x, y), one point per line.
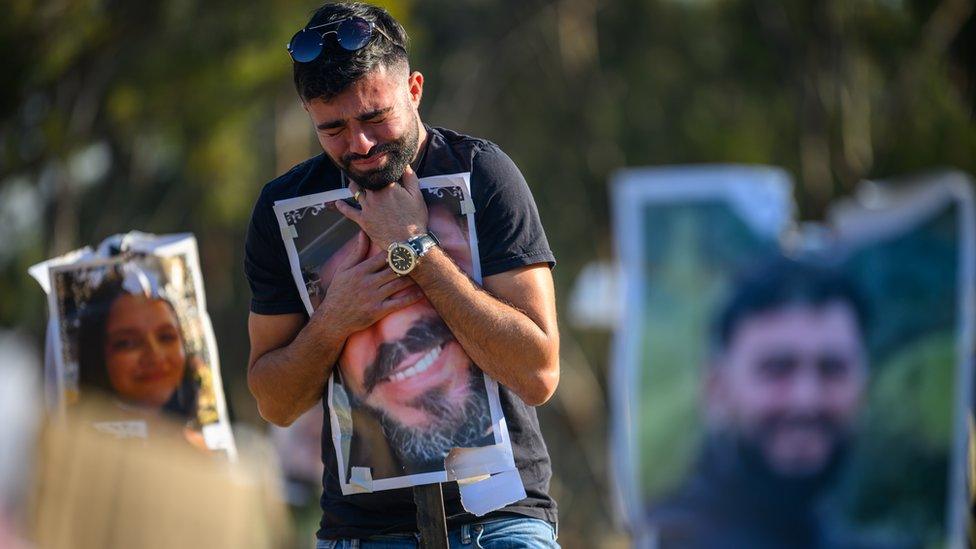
(508, 327)
(282, 372)
(291, 360)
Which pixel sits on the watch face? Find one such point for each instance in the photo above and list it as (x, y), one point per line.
(401, 259)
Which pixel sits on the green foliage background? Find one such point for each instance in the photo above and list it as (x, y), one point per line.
(169, 115)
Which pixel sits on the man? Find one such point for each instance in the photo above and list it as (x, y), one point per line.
(351, 72)
(406, 378)
(781, 399)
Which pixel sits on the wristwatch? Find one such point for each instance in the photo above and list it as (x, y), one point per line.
(402, 257)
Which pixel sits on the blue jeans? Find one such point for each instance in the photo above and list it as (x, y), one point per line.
(496, 533)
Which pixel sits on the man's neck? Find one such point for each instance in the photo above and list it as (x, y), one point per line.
(422, 137)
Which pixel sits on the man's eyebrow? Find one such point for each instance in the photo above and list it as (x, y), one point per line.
(362, 118)
(373, 114)
(330, 125)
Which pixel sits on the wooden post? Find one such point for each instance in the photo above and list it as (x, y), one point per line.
(431, 520)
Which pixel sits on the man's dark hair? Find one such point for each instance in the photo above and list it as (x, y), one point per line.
(780, 282)
(335, 69)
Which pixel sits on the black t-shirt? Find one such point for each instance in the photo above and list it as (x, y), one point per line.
(510, 235)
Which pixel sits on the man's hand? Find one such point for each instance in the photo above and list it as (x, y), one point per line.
(510, 333)
(291, 360)
(363, 290)
(392, 214)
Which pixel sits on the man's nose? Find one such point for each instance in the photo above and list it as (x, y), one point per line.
(807, 390)
(360, 142)
(396, 324)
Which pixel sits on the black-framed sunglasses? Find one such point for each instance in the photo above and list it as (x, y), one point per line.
(351, 33)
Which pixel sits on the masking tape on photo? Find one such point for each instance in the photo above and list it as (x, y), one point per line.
(468, 463)
(361, 480)
(217, 436)
(491, 493)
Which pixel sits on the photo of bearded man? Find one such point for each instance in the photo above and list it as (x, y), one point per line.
(405, 390)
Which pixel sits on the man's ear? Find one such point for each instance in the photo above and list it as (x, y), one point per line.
(415, 87)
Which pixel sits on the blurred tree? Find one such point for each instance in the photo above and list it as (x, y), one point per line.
(164, 116)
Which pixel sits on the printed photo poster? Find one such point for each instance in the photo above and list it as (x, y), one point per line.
(785, 384)
(129, 322)
(406, 404)
(911, 250)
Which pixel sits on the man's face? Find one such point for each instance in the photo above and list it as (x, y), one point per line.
(372, 129)
(790, 383)
(408, 366)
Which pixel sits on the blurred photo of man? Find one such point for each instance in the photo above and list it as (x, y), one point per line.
(781, 399)
(413, 392)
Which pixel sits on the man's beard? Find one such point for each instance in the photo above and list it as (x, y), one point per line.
(400, 152)
(763, 475)
(451, 426)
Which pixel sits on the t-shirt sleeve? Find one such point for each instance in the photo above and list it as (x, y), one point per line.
(510, 234)
(266, 265)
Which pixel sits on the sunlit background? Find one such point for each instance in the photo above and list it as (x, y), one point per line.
(169, 116)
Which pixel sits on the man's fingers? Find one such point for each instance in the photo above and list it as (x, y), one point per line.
(402, 300)
(410, 181)
(356, 254)
(385, 274)
(351, 213)
(396, 285)
(376, 262)
(372, 264)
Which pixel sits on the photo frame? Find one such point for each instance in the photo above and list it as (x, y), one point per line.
(384, 374)
(129, 321)
(685, 235)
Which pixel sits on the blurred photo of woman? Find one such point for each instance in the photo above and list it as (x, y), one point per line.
(131, 346)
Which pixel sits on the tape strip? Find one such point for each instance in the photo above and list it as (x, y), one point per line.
(468, 463)
(467, 206)
(361, 480)
(484, 496)
(217, 436)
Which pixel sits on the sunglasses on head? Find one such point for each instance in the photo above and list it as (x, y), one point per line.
(351, 33)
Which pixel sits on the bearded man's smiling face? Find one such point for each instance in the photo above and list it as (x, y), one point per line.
(791, 385)
(408, 366)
